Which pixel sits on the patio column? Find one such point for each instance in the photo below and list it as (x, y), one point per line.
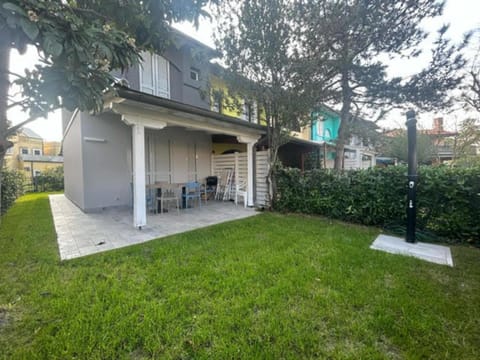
(138, 125)
(139, 195)
(250, 141)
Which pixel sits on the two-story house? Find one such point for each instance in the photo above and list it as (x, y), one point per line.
(162, 127)
(31, 155)
(324, 130)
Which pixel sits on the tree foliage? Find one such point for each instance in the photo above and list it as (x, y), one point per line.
(466, 141)
(349, 41)
(257, 41)
(79, 43)
(471, 93)
(397, 147)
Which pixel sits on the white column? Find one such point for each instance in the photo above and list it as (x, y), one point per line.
(138, 124)
(250, 141)
(139, 195)
(359, 158)
(250, 173)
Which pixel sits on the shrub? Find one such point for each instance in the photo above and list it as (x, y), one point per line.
(12, 187)
(448, 199)
(50, 180)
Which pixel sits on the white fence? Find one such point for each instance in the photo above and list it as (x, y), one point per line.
(238, 163)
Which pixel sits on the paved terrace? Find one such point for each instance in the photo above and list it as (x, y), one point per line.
(80, 234)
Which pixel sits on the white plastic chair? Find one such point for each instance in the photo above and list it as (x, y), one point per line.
(241, 190)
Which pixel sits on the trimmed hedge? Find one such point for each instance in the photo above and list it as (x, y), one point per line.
(50, 180)
(12, 187)
(448, 199)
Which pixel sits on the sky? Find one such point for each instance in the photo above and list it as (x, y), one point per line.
(462, 15)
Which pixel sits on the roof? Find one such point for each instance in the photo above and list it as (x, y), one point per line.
(139, 96)
(30, 133)
(180, 34)
(42, 158)
(438, 132)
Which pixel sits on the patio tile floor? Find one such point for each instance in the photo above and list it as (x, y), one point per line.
(80, 234)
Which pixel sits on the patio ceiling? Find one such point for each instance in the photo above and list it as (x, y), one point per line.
(158, 112)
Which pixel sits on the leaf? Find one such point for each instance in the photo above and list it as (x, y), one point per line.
(29, 28)
(15, 8)
(52, 46)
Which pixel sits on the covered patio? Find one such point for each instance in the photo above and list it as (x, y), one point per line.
(80, 234)
(172, 143)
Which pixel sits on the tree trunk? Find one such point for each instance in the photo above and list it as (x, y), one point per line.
(343, 131)
(4, 87)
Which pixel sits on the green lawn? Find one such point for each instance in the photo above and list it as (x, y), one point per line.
(272, 286)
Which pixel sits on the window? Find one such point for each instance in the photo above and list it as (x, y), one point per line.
(249, 111)
(26, 168)
(320, 127)
(216, 105)
(37, 173)
(155, 75)
(24, 151)
(328, 134)
(9, 151)
(217, 101)
(194, 74)
(246, 111)
(37, 152)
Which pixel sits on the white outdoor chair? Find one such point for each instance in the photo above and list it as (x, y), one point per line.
(241, 190)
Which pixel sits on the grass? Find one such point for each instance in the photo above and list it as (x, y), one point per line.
(273, 286)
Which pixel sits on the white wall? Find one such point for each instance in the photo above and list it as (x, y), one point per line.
(107, 153)
(73, 163)
(177, 155)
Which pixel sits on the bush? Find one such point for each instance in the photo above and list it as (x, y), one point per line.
(12, 187)
(50, 180)
(448, 199)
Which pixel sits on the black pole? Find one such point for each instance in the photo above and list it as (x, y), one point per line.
(412, 175)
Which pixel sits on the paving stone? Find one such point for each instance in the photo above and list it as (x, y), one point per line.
(438, 254)
(78, 233)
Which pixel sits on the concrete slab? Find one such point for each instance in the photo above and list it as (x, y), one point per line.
(80, 234)
(437, 254)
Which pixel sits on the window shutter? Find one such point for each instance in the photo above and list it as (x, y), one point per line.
(162, 85)
(147, 84)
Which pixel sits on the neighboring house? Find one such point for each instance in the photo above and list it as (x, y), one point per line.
(31, 155)
(323, 130)
(160, 128)
(442, 140)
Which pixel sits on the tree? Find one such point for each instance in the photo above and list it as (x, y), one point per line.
(350, 42)
(471, 94)
(397, 147)
(256, 39)
(79, 42)
(467, 138)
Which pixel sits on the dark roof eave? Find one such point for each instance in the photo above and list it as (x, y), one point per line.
(138, 96)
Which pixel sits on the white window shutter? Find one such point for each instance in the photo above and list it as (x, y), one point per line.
(255, 112)
(147, 79)
(162, 80)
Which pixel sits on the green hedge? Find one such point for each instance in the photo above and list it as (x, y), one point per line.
(50, 180)
(12, 187)
(448, 199)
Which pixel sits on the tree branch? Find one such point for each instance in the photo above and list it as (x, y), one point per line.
(13, 129)
(16, 103)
